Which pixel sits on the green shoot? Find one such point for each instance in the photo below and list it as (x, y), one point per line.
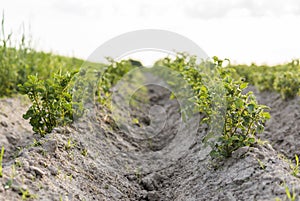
(1, 159)
(295, 168)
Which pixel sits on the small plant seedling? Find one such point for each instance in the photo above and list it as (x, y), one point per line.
(9, 182)
(69, 144)
(13, 172)
(295, 168)
(135, 121)
(290, 195)
(27, 195)
(36, 143)
(18, 163)
(1, 159)
(261, 164)
(84, 152)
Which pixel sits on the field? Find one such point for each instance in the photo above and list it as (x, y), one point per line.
(73, 130)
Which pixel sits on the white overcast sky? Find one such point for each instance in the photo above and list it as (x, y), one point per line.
(261, 31)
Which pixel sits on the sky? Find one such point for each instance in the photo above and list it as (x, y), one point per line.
(245, 31)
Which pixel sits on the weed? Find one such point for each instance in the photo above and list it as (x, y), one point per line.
(69, 144)
(13, 174)
(18, 163)
(295, 168)
(290, 195)
(1, 159)
(27, 195)
(261, 164)
(8, 184)
(18, 60)
(84, 152)
(36, 143)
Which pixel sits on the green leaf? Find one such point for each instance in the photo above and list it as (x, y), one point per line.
(266, 115)
(251, 107)
(244, 85)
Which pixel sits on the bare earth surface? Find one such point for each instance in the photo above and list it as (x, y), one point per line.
(95, 160)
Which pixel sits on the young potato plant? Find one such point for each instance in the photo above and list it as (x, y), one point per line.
(111, 75)
(213, 88)
(244, 118)
(285, 79)
(51, 102)
(287, 84)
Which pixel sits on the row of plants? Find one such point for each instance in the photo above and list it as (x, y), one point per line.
(284, 79)
(60, 91)
(217, 95)
(234, 117)
(63, 97)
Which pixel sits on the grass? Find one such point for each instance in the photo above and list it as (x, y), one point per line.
(27, 195)
(290, 196)
(295, 168)
(1, 159)
(18, 60)
(69, 145)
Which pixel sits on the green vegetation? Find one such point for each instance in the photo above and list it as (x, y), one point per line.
(51, 102)
(284, 79)
(60, 91)
(27, 195)
(295, 168)
(1, 159)
(218, 94)
(10, 181)
(42, 76)
(52, 99)
(113, 72)
(18, 60)
(290, 195)
(69, 144)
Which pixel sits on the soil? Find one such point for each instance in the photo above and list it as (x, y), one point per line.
(283, 129)
(97, 159)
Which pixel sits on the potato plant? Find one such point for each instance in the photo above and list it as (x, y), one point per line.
(113, 72)
(284, 79)
(287, 84)
(216, 94)
(213, 88)
(51, 102)
(244, 118)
